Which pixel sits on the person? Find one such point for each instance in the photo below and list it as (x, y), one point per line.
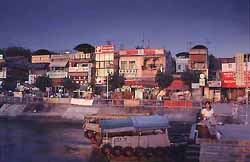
(207, 112)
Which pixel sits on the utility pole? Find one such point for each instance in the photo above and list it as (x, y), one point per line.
(108, 86)
(247, 60)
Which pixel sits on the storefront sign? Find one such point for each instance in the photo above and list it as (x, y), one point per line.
(195, 85)
(214, 83)
(228, 80)
(202, 82)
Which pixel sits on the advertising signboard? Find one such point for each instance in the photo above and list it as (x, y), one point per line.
(214, 83)
(228, 80)
(105, 49)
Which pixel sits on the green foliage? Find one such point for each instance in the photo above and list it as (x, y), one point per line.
(163, 79)
(69, 84)
(190, 77)
(116, 81)
(17, 51)
(86, 48)
(42, 52)
(42, 82)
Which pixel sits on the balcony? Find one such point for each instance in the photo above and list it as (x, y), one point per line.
(128, 71)
(57, 74)
(78, 69)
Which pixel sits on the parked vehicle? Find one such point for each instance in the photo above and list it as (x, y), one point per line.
(137, 135)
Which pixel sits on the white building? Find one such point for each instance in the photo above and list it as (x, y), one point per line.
(182, 60)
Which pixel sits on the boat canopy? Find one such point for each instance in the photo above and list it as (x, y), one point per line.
(135, 123)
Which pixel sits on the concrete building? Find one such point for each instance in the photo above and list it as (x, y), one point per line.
(105, 62)
(198, 59)
(139, 66)
(82, 68)
(58, 70)
(38, 67)
(235, 76)
(182, 62)
(3, 69)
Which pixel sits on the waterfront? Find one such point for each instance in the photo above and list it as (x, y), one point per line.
(28, 142)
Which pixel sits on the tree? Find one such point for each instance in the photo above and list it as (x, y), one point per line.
(17, 51)
(42, 82)
(86, 48)
(116, 81)
(69, 84)
(163, 79)
(42, 52)
(190, 77)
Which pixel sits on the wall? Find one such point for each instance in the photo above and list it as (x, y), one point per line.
(225, 151)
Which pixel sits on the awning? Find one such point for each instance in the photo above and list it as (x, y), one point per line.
(58, 64)
(177, 84)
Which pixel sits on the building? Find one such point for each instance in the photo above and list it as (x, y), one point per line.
(182, 62)
(82, 68)
(58, 70)
(38, 67)
(139, 66)
(235, 75)
(3, 69)
(105, 62)
(198, 59)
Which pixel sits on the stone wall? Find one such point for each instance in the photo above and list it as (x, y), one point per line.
(224, 151)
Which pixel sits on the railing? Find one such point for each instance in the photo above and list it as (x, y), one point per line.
(78, 69)
(102, 102)
(20, 100)
(57, 74)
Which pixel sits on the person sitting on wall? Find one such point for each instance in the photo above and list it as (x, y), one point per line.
(208, 111)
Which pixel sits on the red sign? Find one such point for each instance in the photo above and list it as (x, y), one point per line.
(228, 80)
(105, 49)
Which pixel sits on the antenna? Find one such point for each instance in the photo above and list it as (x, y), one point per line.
(143, 40)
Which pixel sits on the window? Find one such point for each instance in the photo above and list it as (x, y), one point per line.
(230, 66)
(97, 65)
(87, 55)
(102, 64)
(179, 67)
(123, 65)
(97, 57)
(132, 65)
(102, 57)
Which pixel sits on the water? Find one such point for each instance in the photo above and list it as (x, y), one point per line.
(34, 142)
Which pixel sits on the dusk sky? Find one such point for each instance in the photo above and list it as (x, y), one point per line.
(222, 25)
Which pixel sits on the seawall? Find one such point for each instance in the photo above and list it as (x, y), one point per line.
(49, 112)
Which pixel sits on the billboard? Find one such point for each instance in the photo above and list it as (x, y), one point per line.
(228, 80)
(105, 49)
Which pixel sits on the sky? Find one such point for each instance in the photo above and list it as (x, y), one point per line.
(221, 25)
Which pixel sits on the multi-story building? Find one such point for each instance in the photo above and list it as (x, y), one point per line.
(38, 67)
(82, 68)
(105, 62)
(198, 59)
(235, 75)
(3, 69)
(182, 62)
(139, 66)
(58, 70)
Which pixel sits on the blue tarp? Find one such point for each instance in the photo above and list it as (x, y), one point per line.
(150, 122)
(138, 123)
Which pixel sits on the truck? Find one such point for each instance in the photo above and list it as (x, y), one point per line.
(135, 136)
